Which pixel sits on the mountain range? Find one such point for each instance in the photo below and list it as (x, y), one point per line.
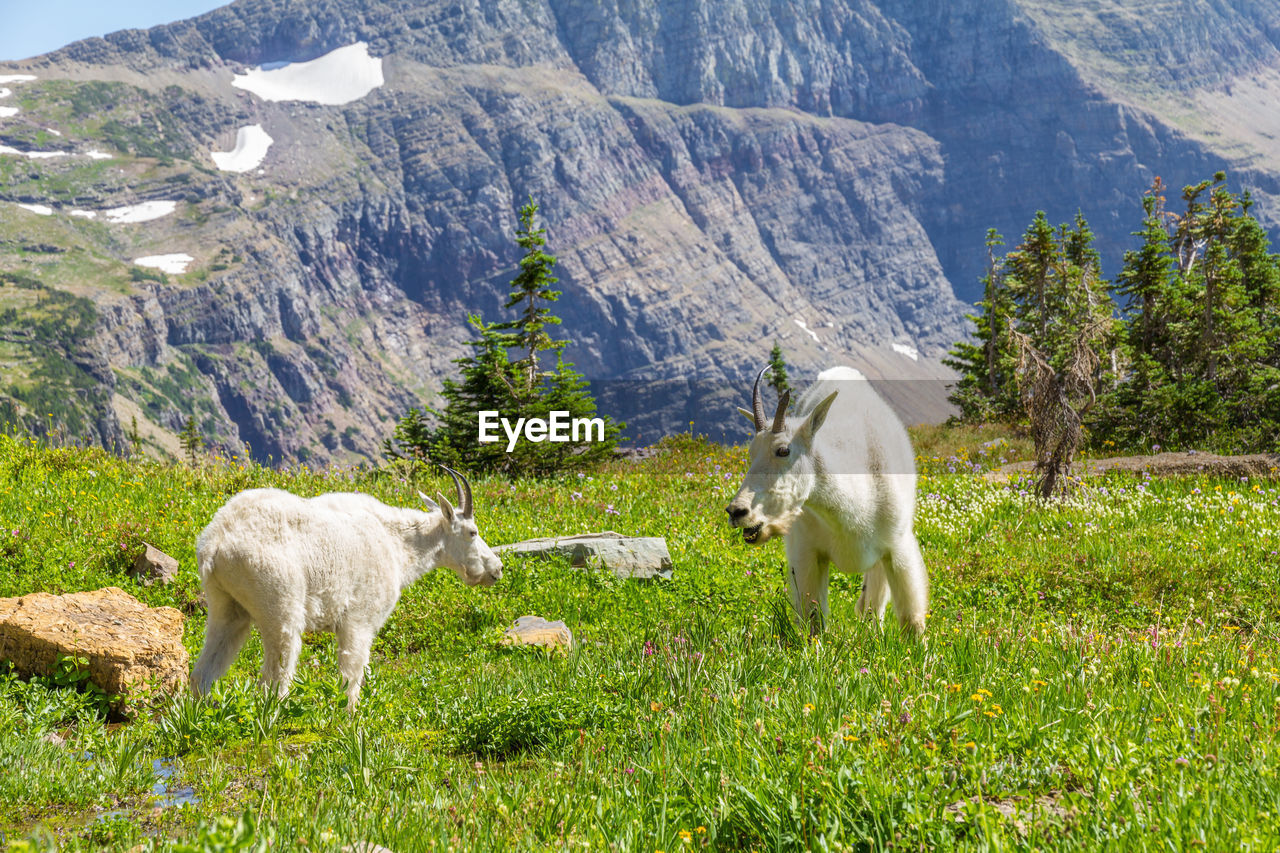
(277, 217)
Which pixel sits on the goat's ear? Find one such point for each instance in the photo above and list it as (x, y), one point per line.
(814, 421)
(445, 507)
(430, 504)
(746, 413)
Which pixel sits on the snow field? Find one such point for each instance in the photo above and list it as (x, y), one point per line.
(252, 143)
(339, 77)
(144, 212)
(175, 263)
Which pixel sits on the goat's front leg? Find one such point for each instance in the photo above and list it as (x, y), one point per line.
(354, 643)
(807, 575)
(909, 583)
(874, 595)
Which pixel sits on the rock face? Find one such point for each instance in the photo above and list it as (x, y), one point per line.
(638, 557)
(130, 647)
(714, 177)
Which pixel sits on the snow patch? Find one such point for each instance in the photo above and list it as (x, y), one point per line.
(4, 93)
(17, 78)
(909, 351)
(32, 155)
(144, 212)
(41, 209)
(97, 155)
(176, 263)
(339, 77)
(85, 214)
(841, 373)
(252, 143)
(6, 112)
(54, 132)
(810, 332)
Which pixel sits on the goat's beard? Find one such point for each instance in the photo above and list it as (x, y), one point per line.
(766, 530)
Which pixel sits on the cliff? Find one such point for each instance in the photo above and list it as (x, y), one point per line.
(713, 178)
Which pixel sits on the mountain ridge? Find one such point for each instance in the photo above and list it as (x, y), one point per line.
(710, 183)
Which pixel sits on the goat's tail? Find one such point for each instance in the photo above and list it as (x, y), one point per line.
(206, 557)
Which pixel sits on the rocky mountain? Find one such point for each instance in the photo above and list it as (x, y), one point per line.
(282, 212)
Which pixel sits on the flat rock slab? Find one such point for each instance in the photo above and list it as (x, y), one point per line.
(129, 646)
(1190, 464)
(536, 631)
(640, 557)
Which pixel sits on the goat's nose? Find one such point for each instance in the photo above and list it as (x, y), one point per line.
(735, 512)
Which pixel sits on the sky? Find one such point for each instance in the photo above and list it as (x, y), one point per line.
(32, 27)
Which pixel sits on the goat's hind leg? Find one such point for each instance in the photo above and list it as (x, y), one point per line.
(225, 631)
(281, 645)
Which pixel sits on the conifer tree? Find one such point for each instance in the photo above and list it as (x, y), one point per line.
(1193, 360)
(778, 370)
(190, 439)
(531, 295)
(491, 381)
(985, 390)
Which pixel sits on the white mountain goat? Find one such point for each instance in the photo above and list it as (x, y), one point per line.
(837, 480)
(337, 562)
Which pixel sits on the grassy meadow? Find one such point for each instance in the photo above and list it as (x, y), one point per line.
(1101, 673)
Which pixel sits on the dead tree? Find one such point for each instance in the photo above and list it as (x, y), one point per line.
(1056, 401)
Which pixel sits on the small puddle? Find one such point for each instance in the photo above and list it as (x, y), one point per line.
(164, 794)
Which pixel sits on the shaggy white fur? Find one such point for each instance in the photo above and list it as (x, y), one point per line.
(837, 480)
(337, 562)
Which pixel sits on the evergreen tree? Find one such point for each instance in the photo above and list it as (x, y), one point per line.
(532, 295)
(491, 381)
(1063, 335)
(135, 441)
(778, 370)
(985, 391)
(190, 439)
(1192, 360)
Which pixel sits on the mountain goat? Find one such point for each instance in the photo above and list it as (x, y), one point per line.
(337, 562)
(837, 480)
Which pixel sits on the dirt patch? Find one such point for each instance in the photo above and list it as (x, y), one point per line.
(1188, 464)
(1039, 810)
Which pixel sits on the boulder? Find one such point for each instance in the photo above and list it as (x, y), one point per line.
(536, 631)
(154, 565)
(130, 647)
(641, 557)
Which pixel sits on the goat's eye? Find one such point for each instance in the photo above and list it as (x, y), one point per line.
(474, 534)
(782, 451)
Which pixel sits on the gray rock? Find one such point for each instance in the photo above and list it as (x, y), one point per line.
(53, 738)
(154, 565)
(536, 631)
(640, 557)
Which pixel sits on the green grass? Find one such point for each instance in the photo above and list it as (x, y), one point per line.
(1100, 674)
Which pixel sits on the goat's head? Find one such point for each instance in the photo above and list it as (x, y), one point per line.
(782, 474)
(464, 550)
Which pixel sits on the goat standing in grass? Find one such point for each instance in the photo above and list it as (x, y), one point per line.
(838, 481)
(337, 562)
